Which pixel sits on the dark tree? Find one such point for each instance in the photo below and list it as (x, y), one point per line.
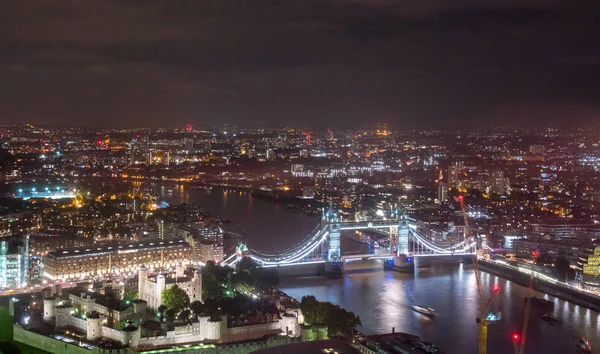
(211, 286)
(243, 282)
(562, 266)
(130, 296)
(196, 307)
(162, 309)
(184, 315)
(175, 298)
(246, 263)
(170, 315)
(544, 260)
(265, 277)
(338, 320)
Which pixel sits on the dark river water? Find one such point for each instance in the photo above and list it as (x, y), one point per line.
(383, 299)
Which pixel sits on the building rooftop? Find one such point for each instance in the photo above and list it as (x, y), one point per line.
(116, 248)
(399, 343)
(315, 347)
(102, 300)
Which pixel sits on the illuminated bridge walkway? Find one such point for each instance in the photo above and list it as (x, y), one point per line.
(322, 245)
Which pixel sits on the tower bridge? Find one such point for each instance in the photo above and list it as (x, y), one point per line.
(323, 244)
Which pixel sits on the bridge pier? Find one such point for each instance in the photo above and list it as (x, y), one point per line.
(334, 269)
(403, 264)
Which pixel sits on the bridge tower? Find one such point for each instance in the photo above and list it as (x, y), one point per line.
(331, 217)
(403, 233)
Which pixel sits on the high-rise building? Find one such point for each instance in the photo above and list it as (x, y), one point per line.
(442, 192)
(207, 244)
(14, 261)
(454, 173)
(537, 149)
(498, 183)
(132, 156)
(160, 228)
(188, 144)
(270, 154)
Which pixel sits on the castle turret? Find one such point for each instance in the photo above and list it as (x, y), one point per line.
(94, 326)
(63, 314)
(142, 277)
(49, 309)
(179, 270)
(197, 287)
(131, 335)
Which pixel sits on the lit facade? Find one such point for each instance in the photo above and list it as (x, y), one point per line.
(115, 259)
(14, 262)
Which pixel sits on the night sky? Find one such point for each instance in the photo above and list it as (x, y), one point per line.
(300, 62)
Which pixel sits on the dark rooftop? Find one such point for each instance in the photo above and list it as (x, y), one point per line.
(316, 347)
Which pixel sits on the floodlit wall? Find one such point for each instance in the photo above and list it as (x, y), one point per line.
(48, 344)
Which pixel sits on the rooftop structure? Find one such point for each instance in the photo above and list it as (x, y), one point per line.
(115, 259)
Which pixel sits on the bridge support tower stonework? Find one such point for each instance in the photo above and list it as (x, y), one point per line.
(331, 217)
(403, 235)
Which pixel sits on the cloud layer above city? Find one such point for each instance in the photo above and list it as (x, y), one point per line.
(295, 62)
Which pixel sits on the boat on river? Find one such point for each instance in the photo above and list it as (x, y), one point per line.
(427, 311)
(584, 345)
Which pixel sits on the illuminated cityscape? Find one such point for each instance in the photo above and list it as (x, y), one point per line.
(91, 227)
(299, 177)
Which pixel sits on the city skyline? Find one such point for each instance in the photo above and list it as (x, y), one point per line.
(337, 63)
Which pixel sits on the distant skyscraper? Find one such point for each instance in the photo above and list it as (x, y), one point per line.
(498, 183)
(160, 227)
(537, 149)
(14, 261)
(442, 192)
(454, 173)
(188, 143)
(270, 154)
(132, 156)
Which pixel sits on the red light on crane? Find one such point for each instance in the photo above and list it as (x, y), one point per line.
(516, 337)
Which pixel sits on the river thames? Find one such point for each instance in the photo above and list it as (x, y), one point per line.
(382, 299)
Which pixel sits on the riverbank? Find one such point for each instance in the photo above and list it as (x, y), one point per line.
(554, 289)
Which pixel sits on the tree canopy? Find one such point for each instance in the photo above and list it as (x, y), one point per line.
(175, 298)
(563, 267)
(196, 307)
(338, 320)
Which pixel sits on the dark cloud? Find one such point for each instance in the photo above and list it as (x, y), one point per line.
(316, 62)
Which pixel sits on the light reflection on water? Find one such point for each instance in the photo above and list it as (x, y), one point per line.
(383, 299)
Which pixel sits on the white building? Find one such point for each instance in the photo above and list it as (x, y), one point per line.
(150, 288)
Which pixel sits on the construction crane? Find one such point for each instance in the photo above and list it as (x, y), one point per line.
(527, 313)
(467, 237)
(483, 320)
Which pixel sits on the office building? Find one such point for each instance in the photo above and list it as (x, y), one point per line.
(583, 232)
(442, 192)
(14, 261)
(115, 259)
(498, 183)
(454, 173)
(537, 149)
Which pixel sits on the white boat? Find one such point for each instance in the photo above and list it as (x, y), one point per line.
(427, 311)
